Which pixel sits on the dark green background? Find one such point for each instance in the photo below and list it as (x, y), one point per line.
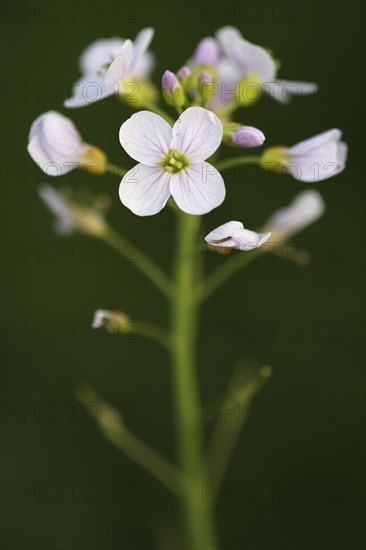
(316, 41)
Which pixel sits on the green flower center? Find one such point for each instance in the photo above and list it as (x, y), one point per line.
(174, 161)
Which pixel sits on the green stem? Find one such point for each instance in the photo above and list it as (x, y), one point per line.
(221, 274)
(115, 431)
(227, 430)
(198, 516)
(160, 335)
(116, 170)
(230, 108)
(237, 161)
(137, 258)
(237, 261)
(155, 109)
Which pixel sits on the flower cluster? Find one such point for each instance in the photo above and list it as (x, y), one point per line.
(178, 160)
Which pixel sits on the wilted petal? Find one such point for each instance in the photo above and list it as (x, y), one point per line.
(146, 137)
(234, 235)
(100, 316)
(145, 190)
(247, 240)
(197, 134)
(198, 189)
(222, 234)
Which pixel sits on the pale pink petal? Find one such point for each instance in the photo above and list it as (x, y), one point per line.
(197, 134)
(145, 190)
(146, 137)
(198, 189)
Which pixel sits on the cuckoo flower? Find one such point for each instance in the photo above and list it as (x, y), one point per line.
(246, 60)
(315, 159)
(305, 209)
(172, 162)
(234, 235)
(109, 65)
(70, 216)
(57, 147)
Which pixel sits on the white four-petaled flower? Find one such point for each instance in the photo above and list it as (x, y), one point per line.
(107, 65)
(172, 162)
(318, 158)
(234, 235)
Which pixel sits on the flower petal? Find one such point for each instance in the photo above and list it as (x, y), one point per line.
(57, 204)
(207, 52)
(283, 90)
(54, 143)
(318, 158)
(197, 134)
(120, 67)
(247, 240)
(314, 142)
(87, 90)
(234, 235)
(98, 55)
(307, 207)
(198, 189)
(223, 232)
(228, 36)
(141, 44)
(146, 137)
(145, 190)
(250, 57)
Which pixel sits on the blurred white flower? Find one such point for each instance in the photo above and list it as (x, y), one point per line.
(172, 162)
(71, 216)
(242, 59)
(107, 64)
(58, 205)
(234, 235)
(305, 209)
(57, 147)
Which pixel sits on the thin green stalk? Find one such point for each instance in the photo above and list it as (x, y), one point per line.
(230, 108)
(227, 429)
(221, 274)
(155, 109)
(158, 334)
(236, 262)
(237, 161)
(116, 170)
(139, 260)
(115, 431)
(198, 516)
